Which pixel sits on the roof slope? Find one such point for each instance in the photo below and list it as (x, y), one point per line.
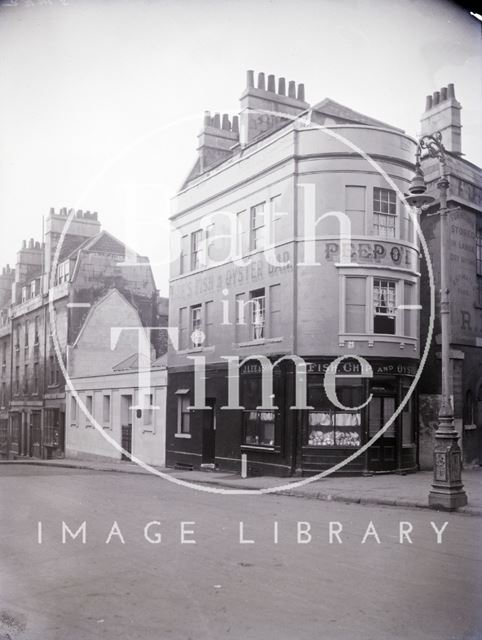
(334, 109)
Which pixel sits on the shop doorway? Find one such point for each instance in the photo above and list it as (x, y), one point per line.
(209, 433)
(126, 425)
(382, 455)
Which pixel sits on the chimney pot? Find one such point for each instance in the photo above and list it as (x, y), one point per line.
(271, 83)
(428, 103)
(79, 213)
(443, 94)
(261, 81)
(30, 243)
(235, 124)
(207, 118)
(216, 121)
(94, 215)
(63, 211)
(52, 211)
(450, 90)
(301, 92)
(24, 244)
(282, 87)
(250, 78)
(292, 89)
(226, 123)
(436, 97)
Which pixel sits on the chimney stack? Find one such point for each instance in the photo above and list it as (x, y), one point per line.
(217, 137)
(442, 113)
(259, 106)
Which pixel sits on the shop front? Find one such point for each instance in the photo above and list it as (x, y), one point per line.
(331, 434)
(286, 441)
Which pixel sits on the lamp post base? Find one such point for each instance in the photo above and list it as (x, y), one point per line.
(447, 490)
(447, 500)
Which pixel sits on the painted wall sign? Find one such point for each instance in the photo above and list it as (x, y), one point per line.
(367, 252)
(227, 276)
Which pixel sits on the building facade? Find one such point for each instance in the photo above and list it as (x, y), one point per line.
(264, 269)
(464, 200)
(44, 313)
(108, 381)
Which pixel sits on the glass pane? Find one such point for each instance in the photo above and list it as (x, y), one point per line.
(375, 415)
(388, 411)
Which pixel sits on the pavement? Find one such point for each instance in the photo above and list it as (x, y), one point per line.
(409, 491)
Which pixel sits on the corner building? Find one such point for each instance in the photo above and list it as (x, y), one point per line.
(274, 173)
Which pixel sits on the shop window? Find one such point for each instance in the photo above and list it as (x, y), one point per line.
(384, 306)
(257, 227)
(196, 326)
(355, 208)
(106, 409)
(259, 428)
(355, 305)
(196, 249)
(258, 314)
(183, 415)
(384, 212)
(328, 425)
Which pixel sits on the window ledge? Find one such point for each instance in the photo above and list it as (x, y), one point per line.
(196, 350)
(256, 343)
(182, 435)
(259, 447)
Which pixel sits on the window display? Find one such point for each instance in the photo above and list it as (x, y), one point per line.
(331, 428)
(259, 428)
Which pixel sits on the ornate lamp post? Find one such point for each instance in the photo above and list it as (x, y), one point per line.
(447, 490)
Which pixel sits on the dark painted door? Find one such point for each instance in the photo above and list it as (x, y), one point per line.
(126, 425)
(209, 432)
(382, 455)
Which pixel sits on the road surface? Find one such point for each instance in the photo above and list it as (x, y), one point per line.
(135, 579)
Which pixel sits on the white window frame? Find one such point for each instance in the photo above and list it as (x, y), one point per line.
(257, 311)
(182, 397)
(387, 215)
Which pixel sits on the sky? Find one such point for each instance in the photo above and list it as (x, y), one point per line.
(101, 102)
